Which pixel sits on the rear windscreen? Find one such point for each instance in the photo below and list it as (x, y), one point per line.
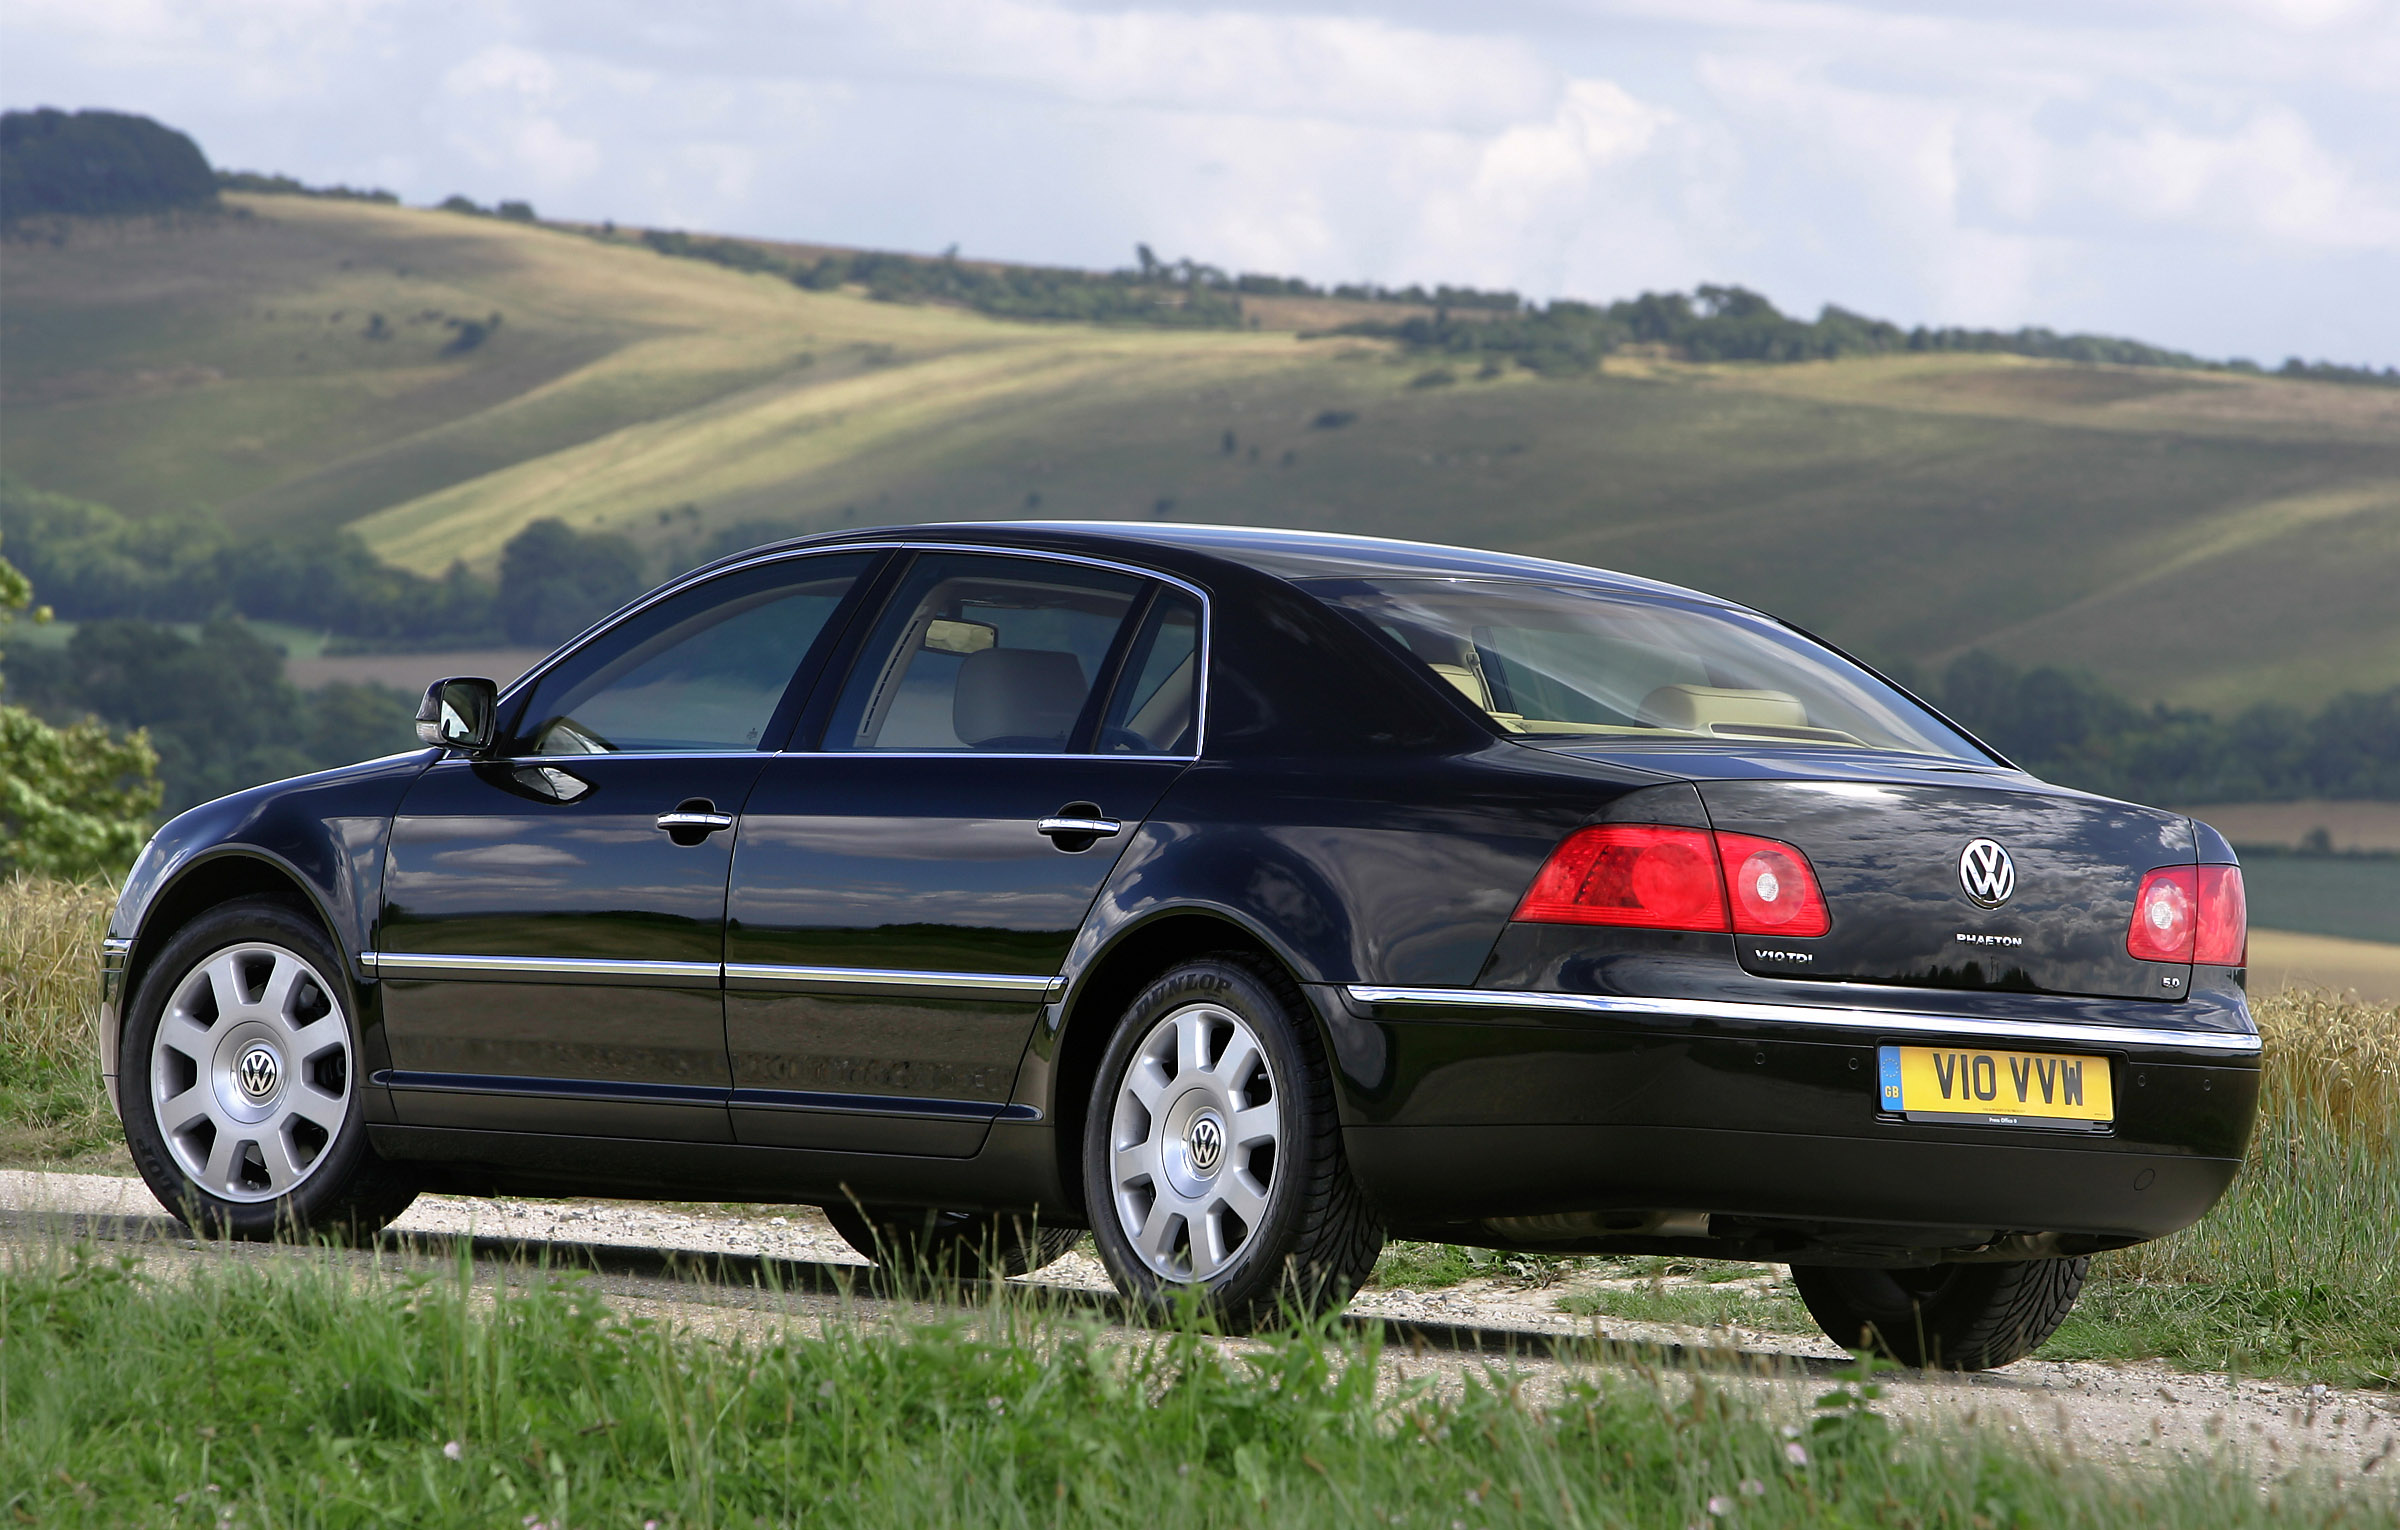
(1560, 663)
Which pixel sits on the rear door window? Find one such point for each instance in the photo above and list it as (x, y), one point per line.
(978, 653)
(1156, 708)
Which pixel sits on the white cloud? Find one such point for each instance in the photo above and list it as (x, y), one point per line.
(2132, 165)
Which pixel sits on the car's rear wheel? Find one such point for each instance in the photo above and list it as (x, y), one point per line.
(965, 1244)
(1212, 1159)
(1958, 1317)
(240, 1078)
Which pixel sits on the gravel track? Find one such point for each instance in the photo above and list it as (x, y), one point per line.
(755, 1270)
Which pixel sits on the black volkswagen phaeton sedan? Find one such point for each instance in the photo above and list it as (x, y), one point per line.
(1244, 896)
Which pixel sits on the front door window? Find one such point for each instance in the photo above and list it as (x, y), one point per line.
(702, 671)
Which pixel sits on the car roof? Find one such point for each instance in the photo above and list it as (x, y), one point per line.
(1282, 553)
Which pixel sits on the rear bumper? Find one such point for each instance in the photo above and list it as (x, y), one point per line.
(1463, 1107)
(1786, 1190)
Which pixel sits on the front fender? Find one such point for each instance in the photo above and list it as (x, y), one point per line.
(320, 837)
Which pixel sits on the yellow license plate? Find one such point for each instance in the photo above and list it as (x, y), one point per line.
(1988, 1088)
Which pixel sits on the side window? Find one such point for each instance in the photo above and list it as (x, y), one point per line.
(701, 671)
(983, 653)
(1157, 704)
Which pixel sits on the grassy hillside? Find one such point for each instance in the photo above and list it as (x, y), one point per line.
(2201, 538)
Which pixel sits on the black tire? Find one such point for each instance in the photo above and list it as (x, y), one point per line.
(1315, 1236)
(960, 1244)
(344, 1189)
(1956, 1317)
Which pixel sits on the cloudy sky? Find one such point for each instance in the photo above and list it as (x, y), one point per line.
(2222, 175)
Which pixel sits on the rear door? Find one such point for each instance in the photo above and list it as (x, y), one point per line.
(553, 920)
(903, 897)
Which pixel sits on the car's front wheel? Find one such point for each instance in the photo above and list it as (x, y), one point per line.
(240, 1077)
(1213, 1162)
(1958, 1317)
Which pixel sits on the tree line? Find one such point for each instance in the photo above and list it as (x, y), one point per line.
(97, 164)
(1731, 323)
(93, 563)
(163, 651)
(2071, 729)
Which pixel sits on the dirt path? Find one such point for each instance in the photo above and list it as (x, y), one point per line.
(726, 1272)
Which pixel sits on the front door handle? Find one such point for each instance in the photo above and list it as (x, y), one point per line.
(693, 820)
(1077, 825)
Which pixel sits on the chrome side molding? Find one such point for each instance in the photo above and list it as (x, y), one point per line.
(887, 982)
(890, 981)
(1885, 1021)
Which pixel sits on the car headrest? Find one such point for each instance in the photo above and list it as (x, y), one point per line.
(1702, 708)
(1024, 697)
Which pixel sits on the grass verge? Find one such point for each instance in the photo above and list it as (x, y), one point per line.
(328, 1394)
(2297, 1271)
(52, 1109)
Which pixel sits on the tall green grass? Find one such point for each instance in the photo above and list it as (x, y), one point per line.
(52, 1108)
(2297, 1271)
(327, 1394)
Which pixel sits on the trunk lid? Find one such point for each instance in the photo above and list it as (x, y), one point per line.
(1909, 905)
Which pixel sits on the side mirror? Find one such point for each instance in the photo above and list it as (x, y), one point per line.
(459, 713)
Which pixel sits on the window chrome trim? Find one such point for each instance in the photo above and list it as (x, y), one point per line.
(1890, 1022)
(534, 672)
(890, 981)
(555, 760)
(416, 964)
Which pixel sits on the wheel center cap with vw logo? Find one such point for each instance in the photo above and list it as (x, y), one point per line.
(1986, 872)
(1207, 1143)
(259, 1071)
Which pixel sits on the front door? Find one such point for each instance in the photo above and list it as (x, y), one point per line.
(903, 898)
(553, 919)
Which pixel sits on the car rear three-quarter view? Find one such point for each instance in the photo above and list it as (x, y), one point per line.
(1246, 897)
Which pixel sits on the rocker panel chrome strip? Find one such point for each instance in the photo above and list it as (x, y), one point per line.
(890, 981)
(1890, 1022)
(894, 982)
(416, 964)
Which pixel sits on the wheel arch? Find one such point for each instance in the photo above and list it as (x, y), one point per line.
(1107, 983)
(206, 882)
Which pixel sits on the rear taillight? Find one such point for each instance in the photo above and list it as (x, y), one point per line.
(2223, 939)
(2166, 914)
(1643, 875)
(1650, 876)
(1774, 891)
(2191, 914)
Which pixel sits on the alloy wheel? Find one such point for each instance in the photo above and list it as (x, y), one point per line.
(1194, 1142)
(251, 1072)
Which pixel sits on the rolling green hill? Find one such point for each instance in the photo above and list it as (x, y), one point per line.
(2202, 538)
